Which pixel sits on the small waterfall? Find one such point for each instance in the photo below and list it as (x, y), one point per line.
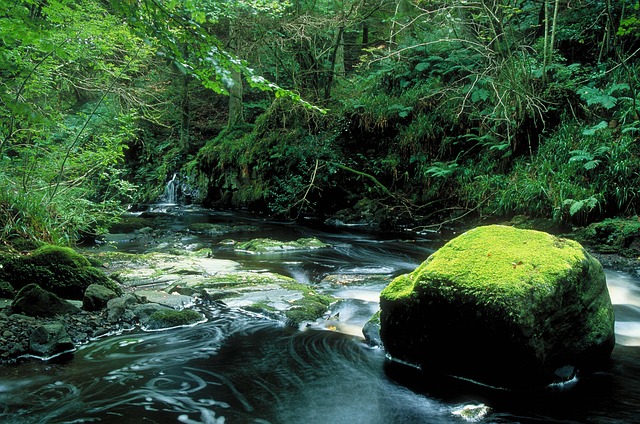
(178, 191)
(171, 191)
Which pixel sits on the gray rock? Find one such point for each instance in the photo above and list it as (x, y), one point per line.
(34, 301)
(50, 339)
(119, 308)
(96, 297)
(371, 331)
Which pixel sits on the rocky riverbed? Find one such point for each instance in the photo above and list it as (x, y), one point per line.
(160, 290)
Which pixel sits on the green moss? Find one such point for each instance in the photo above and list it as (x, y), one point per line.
(494, 260)
(264, 245)
(498, 268)
(63, 256)
(620, 236)
(59, 270)
(400, 287)
(309, 308)
(166, 318)
(375, 319)
(244, 279)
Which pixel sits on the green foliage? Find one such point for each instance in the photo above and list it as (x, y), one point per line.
(63, 103)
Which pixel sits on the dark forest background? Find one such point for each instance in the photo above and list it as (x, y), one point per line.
(398, 112)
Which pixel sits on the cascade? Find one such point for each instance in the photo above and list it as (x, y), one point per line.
(171, 191)
(177, 191)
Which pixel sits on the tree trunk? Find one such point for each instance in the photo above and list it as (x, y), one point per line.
(236, 108)
(185, 111)
(334, 56)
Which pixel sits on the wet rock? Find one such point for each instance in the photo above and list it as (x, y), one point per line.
(371, 330)
(266, 245)
(162, 269)
(96, 297)
(34, 301)
(501, 306)
(171, 300)
(118, 309)
(167, 318)
(50, 339)
(472, 413)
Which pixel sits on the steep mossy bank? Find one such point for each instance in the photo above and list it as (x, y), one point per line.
(525, 303)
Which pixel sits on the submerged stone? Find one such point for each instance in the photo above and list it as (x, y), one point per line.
(501, 306)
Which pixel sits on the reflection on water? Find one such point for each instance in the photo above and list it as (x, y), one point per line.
(242, 368)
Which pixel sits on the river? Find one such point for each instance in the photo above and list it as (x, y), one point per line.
(241, 367)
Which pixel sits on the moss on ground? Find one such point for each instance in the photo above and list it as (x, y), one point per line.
(618, 236)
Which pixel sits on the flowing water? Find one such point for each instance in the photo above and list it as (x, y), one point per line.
(240, 367)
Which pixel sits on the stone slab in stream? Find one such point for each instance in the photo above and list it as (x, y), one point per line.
(162, 269)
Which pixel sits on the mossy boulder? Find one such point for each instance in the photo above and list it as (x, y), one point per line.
(502, 306)
(60, 270)
(619, 236)
(167, 318)
(267, 245)
(34, 301)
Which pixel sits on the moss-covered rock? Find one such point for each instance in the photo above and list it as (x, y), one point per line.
(371, 330)
(503, 306)
(274, 295)
(619, 236)
(267, 245)
(309, 307)
(34, 301)
(6, 290)
(59, 270)
(167, 318)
